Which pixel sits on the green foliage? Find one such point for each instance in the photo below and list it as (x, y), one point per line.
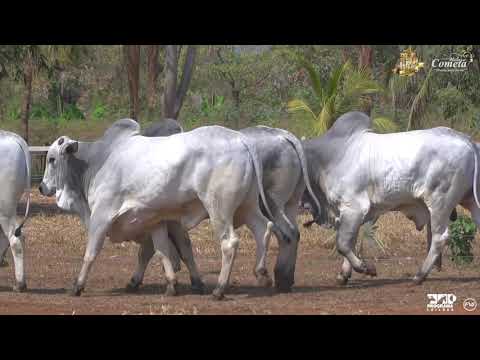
(452, 101)
(462, 232)
(367, 234)
(99, 111)
(71, 112)
(208, 107)
(347, 89)
(41, 111)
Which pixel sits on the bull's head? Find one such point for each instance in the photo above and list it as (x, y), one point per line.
(55, 171)
(325, 217)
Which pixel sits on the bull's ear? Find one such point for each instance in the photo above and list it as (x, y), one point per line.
(70, 147)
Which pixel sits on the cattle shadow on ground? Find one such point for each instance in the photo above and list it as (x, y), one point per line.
(250, 291)
(375, 283)
(35, 291)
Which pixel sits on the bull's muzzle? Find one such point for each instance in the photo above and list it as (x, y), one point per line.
(44, 190)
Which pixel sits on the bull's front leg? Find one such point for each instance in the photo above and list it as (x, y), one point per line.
(182, 240)
(350, 222)
(96, 238)
(438, 262)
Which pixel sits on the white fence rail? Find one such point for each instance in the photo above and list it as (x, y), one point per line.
(38, 154)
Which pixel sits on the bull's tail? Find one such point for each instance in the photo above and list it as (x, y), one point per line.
(297, 145)
(475, 174)
(26, 152)
(257, 165)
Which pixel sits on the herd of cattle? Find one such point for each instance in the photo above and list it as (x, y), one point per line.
(153, 187)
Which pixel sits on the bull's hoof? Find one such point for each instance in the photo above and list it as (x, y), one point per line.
(198, 287)
(218, 295)
(171, 289)
(177, 267)
(370, 269)
(264, 281)
(133, 286)
(20, 287)
(3, 263)
(76, 290)
(418, 280)
(341, 280)
(283, 288)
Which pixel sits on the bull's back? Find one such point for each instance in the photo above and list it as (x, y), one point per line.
(174, 168)
(412, 164)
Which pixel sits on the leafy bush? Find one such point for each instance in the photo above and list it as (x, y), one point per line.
(462, 233)
(41, 111)
(452, 101)
(99, 111)
(72, 112)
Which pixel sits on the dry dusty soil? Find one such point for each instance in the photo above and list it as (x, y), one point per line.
(54, 250)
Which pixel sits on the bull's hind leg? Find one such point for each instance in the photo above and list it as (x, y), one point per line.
(287, 250)
(8, 226)
(229, 241)
(262, 231)
(163, 248)
(4, 245)
(145, 253)
(350, 223)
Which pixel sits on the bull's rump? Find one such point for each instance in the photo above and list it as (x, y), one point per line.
(396, 168)
(13, 173)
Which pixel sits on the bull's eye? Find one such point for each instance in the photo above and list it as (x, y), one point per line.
(51, 160)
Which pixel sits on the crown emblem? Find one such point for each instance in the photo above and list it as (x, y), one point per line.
(408, 64)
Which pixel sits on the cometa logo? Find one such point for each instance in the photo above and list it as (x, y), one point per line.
(456, 62)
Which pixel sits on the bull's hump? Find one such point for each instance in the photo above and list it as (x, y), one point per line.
(122, 128)
(350, 124)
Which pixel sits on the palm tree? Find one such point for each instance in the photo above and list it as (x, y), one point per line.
(402, 86)
(348, 88)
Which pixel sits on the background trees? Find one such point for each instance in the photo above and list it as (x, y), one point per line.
(47, 89)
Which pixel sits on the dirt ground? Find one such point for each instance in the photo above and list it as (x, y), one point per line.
(54, 250)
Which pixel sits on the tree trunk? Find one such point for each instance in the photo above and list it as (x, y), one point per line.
(476, 56)
(169, 93)
(186, 77)
(172, 97)
(27, 98)
(132, 53)
(152, 76)
(365, 57)
(236, 97)
(365, 61)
